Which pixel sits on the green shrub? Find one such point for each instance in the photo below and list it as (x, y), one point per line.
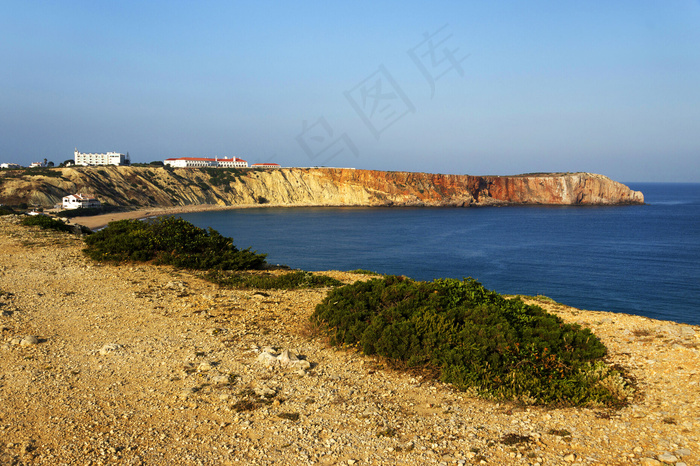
(364, 272)
(6, 210)
(90, 211)
(170, 240)
(222, 177)
(46, 223)
(287, 281)
(475, 338)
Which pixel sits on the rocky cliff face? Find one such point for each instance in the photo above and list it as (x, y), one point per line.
(145, 186)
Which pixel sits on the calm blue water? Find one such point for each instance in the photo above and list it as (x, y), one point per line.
(641, 260)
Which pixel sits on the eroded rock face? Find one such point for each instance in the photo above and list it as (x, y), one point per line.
(145, 186)
(568, 189)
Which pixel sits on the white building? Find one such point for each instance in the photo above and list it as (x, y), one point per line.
(197, 162)
(78, 201)
(110, 158)
(265, 165)
(12, 166)
(233, 162)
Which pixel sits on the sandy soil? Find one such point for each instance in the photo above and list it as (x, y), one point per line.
(138, 364)
(100, 221)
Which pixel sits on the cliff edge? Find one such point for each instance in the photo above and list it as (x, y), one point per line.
(142, 364)
(156, 186)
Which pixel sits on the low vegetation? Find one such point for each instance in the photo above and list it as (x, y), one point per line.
(456, 330)
(473, 338)
(33, 172)
(6, 210)
(46, 223)
(287, 281)
(170, 240)
(363, 272)
(174, 241)
(90, 211)
(222, 177)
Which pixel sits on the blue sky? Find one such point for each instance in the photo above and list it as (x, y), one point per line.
(447, 87)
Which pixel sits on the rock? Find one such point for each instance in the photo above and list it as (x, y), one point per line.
(303, 364)
(29, 340)
(649, 462)
(287, 358)
(268, 359)
(176, 285)
(221, 379)
(205, 366)
(335, 186)
(570, 458)
(683, 452)
(667, 457)
(185, 393)
(110, 348)
(264, 391)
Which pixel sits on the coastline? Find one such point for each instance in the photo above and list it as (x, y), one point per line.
(161, 367)
(96, 222)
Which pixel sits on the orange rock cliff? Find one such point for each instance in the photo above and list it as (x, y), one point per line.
(152, 186)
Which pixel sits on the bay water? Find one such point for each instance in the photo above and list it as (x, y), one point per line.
(642, 260)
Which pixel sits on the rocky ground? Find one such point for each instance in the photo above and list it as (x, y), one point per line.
(149, 365)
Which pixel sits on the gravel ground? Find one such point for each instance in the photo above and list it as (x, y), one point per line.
(149, 365)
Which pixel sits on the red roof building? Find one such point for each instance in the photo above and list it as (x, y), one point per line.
(198, 162)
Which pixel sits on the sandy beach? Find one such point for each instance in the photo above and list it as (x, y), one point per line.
(96, 222)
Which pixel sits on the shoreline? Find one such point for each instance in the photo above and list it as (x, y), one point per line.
(95, 222)
(136, 364)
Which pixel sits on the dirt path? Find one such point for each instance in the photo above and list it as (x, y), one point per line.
(148, 365)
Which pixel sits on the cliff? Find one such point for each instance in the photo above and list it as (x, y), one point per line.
(136, 364)
(146, 186)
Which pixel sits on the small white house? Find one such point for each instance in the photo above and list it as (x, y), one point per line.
(78, 201)
(10, 165)
(266, 165)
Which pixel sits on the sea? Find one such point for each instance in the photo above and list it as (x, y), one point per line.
(634, 259)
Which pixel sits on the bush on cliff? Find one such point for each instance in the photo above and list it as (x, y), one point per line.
(46, 223)
(170, 240)
(287, 281)
(90, 211)
(474, 338)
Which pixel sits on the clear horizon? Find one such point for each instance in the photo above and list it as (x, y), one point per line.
(441, 87)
